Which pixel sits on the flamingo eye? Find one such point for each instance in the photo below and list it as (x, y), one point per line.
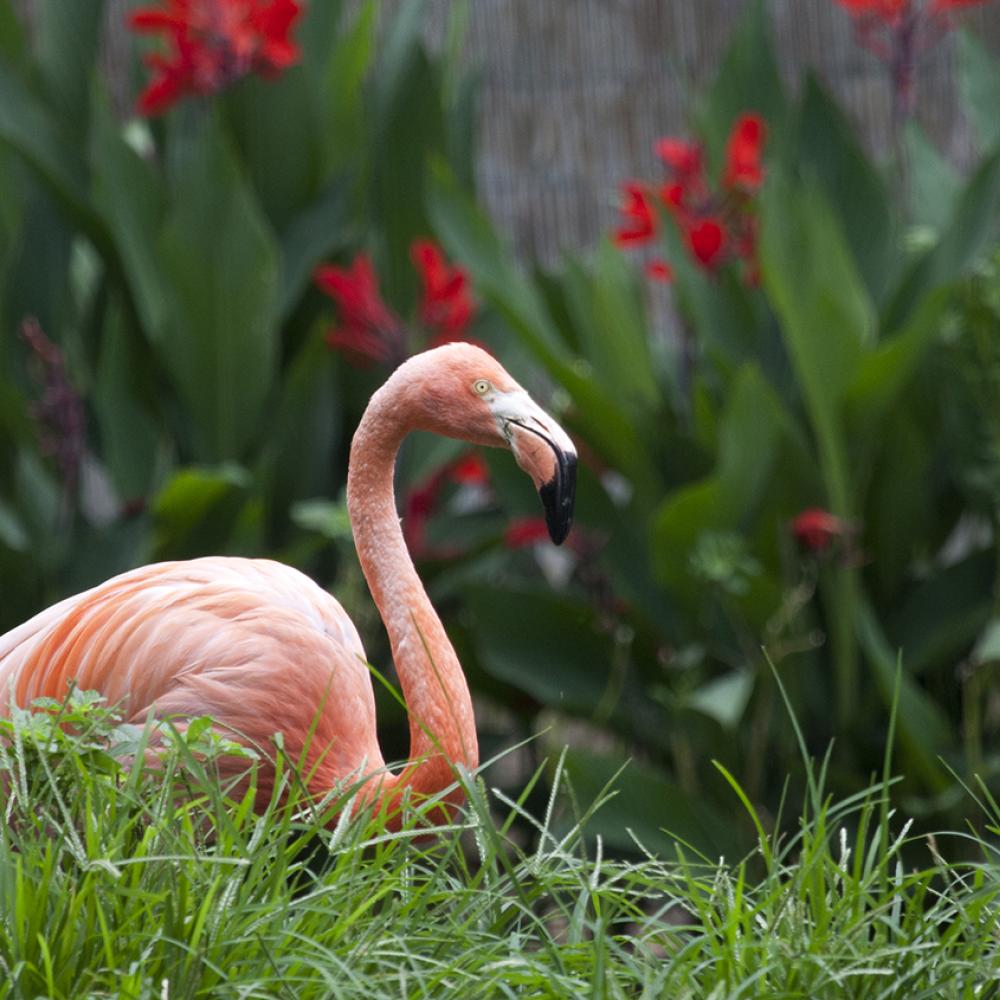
(481, 386)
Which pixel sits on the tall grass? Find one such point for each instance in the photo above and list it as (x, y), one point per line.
(121, 880)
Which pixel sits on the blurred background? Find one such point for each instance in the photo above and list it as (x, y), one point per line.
(748, 252)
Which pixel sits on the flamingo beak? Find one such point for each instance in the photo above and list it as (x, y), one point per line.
(543, 450)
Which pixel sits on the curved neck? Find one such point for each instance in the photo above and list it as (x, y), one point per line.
(442, 726)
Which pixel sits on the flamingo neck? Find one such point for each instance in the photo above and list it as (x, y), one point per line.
(442, 726)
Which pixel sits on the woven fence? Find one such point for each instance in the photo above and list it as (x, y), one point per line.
(574, 92)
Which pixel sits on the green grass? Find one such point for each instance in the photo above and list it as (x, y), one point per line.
(125, 881)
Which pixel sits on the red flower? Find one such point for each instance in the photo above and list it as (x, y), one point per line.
(368, 331)
(639, 225)
(525, 531)
(884, 10)
(446, 305)
(743, 153)
(659, 270)
(684, 158)
(470, 470)
(707, 240)
(213, 43)
(816, 529)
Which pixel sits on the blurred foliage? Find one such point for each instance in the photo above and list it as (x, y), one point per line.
(170, 261)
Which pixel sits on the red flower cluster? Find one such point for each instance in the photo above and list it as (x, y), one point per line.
(717, 226)
(369, 332)
(817, 530)
(213, 43)
(899, 32)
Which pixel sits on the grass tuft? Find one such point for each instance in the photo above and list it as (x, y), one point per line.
(122, 880)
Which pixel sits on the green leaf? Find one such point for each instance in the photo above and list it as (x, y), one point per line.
(304, 430)
(319, 32)
(406, 126)
(969, 233)
(923, 730)
(344, 130)
(221, 347)
(542, 643)
(825, 313)
(724, 699)
(66, 41)
(936, 621)
(12, 531)
(13, 44)
(195, 511)
(325, 227)
(277, 128)
(749, 435)
(856, 191)
(325, 517)
(656, 810)
(609, 314)
(883, 374)
(130, 437)
(28, 127)
(934, 182)
(130, 197)
(748, 80)
(979, 86)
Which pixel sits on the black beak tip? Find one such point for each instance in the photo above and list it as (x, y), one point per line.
(558, 496)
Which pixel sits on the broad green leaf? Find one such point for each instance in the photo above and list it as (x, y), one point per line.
(125, 381)
(724, 699)
(325, 517)
(824, 310)
(130, 197)
(28, 127)
(195, 511)
(610, 317)
(936, 621)
(13, 45)
(656, 810)
(987, 648)
(934, 182)
(326, 226)
(542, 643)
(883, 374)
(923, 730)
(749, 434)
(969, 233)
(855, 189)
(304, 430)
(406, 126)
(318, 32)
(748, 80)
(218, 254)
(344, 124)
(277, 128)
(66, 42)
(12, 531)
(979, 85)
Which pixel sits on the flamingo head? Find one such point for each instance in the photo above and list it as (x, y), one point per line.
(465, 393)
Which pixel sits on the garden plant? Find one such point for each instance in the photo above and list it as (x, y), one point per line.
(781, 368)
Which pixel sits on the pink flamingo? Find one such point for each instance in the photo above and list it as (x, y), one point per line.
(263, 650)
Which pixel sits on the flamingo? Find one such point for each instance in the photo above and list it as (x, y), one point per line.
(263, 650)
